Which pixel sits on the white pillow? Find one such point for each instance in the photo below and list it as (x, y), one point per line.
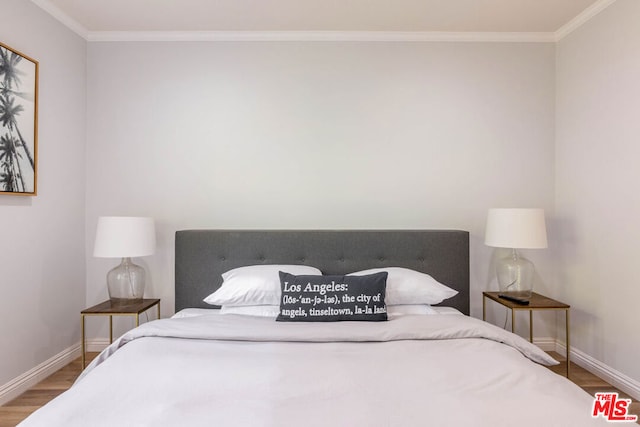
(400, 310)
(255, 284)
(252, 310)
(194, 312)
(405, 286)
(274, 310)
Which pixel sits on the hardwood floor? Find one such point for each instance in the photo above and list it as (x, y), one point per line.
(22, 406)
(18, 409)
(591, 383)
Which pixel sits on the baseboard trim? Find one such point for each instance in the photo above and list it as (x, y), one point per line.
(545, 344)
(24, 382)
(97, 344)
(607, 373)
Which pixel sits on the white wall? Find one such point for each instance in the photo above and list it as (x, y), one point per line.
(42, 285)
(598, 177)
(317, 135)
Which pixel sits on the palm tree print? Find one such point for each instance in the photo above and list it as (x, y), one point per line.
(8, 115)
(8, 67)
(11, 169)
(18, 79)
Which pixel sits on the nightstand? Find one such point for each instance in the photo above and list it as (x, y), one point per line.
(109, 308)
(536, 303)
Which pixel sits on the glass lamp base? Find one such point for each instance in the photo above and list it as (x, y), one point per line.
(515, 275)
(126, 282)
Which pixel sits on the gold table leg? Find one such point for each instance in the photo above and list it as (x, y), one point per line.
(568, 344)
(83, 344)
(531, 326)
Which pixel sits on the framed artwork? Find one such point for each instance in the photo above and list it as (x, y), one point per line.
(18, 123)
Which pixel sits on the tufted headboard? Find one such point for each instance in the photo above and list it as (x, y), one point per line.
(203, 255)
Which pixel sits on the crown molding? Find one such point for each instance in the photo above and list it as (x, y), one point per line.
(348, 36)
(65, 19)
(319, 36)
(582, 18)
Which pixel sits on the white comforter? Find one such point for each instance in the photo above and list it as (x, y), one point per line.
(242, 371)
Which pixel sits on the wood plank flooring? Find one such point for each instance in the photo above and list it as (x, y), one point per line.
(18, 409)
(591, 383)
(22, 406)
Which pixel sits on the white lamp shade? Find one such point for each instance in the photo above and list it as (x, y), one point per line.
(124, 237)
(516, 228)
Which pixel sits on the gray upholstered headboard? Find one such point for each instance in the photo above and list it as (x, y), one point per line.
(203, 255)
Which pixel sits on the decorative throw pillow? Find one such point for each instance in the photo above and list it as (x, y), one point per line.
(274, 310)
(332, 298)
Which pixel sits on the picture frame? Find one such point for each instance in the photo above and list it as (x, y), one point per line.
(18, 123)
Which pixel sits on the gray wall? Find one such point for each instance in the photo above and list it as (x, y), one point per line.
(317, 135)
(597, 193)
(42, 286)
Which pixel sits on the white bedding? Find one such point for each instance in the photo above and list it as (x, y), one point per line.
(247, 371)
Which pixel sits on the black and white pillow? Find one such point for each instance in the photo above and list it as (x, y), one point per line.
(332, 298)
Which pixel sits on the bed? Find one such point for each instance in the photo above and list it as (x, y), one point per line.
(204, 368)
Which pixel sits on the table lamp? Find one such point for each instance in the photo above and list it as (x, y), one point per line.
(125, 237)
(516, 229)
